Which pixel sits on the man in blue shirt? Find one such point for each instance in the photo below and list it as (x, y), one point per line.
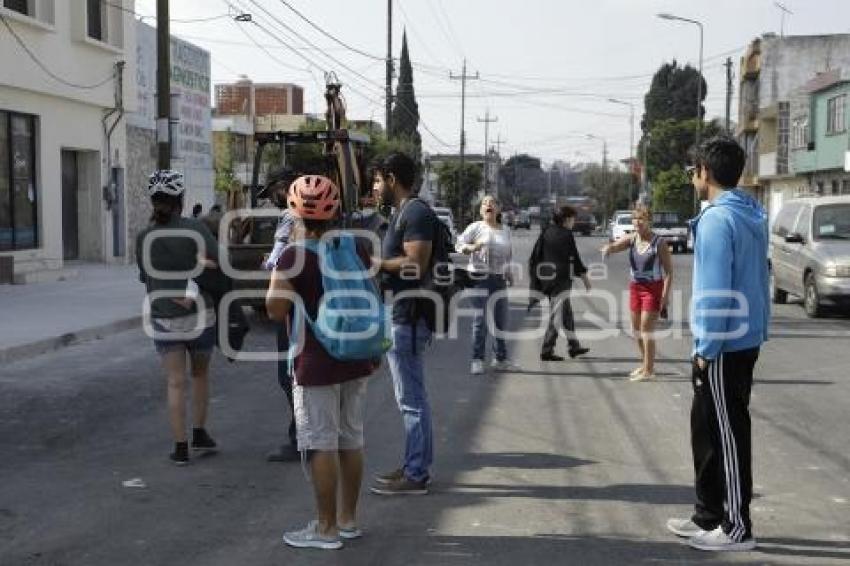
(730, 314)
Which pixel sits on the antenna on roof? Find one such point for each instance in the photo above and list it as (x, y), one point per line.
(785, 11)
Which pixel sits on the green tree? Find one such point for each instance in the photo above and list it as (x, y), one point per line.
(673, 191)
(459, 197)
(405, 112)
(670, 143)
(672, 95)
(524, 181)
(609, 188)
(224, 174)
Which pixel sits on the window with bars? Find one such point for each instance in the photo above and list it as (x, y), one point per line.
(18, 188)
(783, 138)
(836, 120)
(800, 133)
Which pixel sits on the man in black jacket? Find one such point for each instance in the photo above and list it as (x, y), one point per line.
(553, 267)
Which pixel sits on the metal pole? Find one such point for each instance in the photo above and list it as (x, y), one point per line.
(389, 78)
(728, 95)
(699, 106)
(163, 85)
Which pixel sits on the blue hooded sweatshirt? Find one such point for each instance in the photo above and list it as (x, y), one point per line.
(730, 308)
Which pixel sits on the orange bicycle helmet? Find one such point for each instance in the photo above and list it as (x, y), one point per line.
(314, 197)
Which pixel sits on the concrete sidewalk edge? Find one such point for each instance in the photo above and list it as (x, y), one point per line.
(22, 351)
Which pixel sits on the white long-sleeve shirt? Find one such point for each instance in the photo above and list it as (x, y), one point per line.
(496, 252)
(282, 233)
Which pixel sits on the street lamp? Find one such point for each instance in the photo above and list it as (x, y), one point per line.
(631, 136)
(671, 17)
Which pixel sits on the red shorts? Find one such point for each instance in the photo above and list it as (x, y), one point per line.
(645, 297)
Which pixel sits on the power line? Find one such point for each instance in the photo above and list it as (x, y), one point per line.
(177, 21)
(365, 79)
(45, 68)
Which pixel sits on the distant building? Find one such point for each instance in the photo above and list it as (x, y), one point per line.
(773, 73)
(62, 176)
(820, 139)
(245, 108)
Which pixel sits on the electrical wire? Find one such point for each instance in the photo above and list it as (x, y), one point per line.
(365, 79)
(45, 68)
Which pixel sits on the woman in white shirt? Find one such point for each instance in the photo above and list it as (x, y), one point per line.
(488, 244)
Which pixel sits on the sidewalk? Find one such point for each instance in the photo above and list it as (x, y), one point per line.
(42, 317)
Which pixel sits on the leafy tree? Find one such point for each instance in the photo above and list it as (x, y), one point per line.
(673, 190)
(670, 141)
(672, 95)
(405, 112)
(524, 181)
(459, 198)
(610, 188)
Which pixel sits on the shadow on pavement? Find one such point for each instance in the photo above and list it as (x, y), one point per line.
(521, 460)
(631, 493)
(805, 548)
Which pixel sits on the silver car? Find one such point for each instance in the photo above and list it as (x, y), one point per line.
(810, 252)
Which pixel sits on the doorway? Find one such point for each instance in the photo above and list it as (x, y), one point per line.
(70, 206)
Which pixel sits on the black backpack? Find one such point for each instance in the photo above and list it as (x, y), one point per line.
(440, 278)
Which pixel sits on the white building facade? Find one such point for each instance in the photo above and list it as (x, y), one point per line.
(66, 83)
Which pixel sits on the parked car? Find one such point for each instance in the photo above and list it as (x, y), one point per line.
(673, 228)
(522, 220)
(585, 223)
(445, 214)
(810, 252)
(621, 226)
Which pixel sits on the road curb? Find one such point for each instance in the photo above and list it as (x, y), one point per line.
(77, 337)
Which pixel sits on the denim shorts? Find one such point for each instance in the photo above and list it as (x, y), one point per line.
(202, 345)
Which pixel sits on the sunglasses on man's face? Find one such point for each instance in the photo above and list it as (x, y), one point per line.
(691, 170)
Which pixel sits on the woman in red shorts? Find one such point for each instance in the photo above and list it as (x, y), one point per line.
(649, 288)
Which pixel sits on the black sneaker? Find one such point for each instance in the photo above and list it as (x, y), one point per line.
(180, 456)
(402, 486)
(201, 441)
(551, 358)
(576, 352)
(286, 453)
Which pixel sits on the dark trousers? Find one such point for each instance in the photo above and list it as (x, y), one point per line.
(561, 312)
(721, 443)
(284, 378)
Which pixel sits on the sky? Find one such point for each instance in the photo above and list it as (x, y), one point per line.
(546, 68)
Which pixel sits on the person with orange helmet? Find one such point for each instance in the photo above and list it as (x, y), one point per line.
(329, 393)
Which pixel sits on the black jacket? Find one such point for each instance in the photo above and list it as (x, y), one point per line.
(555, 246)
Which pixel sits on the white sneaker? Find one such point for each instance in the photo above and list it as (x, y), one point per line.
(504, 365)
(717, 540)
(309, 537)
(477, 367)
(684, 528)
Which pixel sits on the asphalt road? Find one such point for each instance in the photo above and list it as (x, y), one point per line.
(561, 463)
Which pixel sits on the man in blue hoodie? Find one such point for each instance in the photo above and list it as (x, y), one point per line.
(729, 320)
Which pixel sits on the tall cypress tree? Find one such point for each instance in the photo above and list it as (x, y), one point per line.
(405, 114)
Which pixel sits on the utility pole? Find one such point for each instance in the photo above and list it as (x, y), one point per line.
(728, 66)
(498, 143)
(389, 102)
(163, 85)
(487, 121)
(463, 77)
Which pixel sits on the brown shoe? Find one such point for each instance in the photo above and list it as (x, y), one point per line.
(402, 486)
(389, 477)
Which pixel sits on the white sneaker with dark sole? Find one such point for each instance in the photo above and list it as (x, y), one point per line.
(684, 528)
(718, 541)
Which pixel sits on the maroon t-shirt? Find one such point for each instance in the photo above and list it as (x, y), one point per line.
(314, 366)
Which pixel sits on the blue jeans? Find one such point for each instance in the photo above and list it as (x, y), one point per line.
(409, 384)
(480, 329)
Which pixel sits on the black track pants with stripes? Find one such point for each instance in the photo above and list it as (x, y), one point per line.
(721, 442)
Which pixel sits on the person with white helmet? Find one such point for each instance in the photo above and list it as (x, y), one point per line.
(182, 317)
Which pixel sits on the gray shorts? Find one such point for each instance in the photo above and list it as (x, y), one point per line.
(330, 417)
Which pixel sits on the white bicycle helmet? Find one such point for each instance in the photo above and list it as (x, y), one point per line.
(166, 182)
